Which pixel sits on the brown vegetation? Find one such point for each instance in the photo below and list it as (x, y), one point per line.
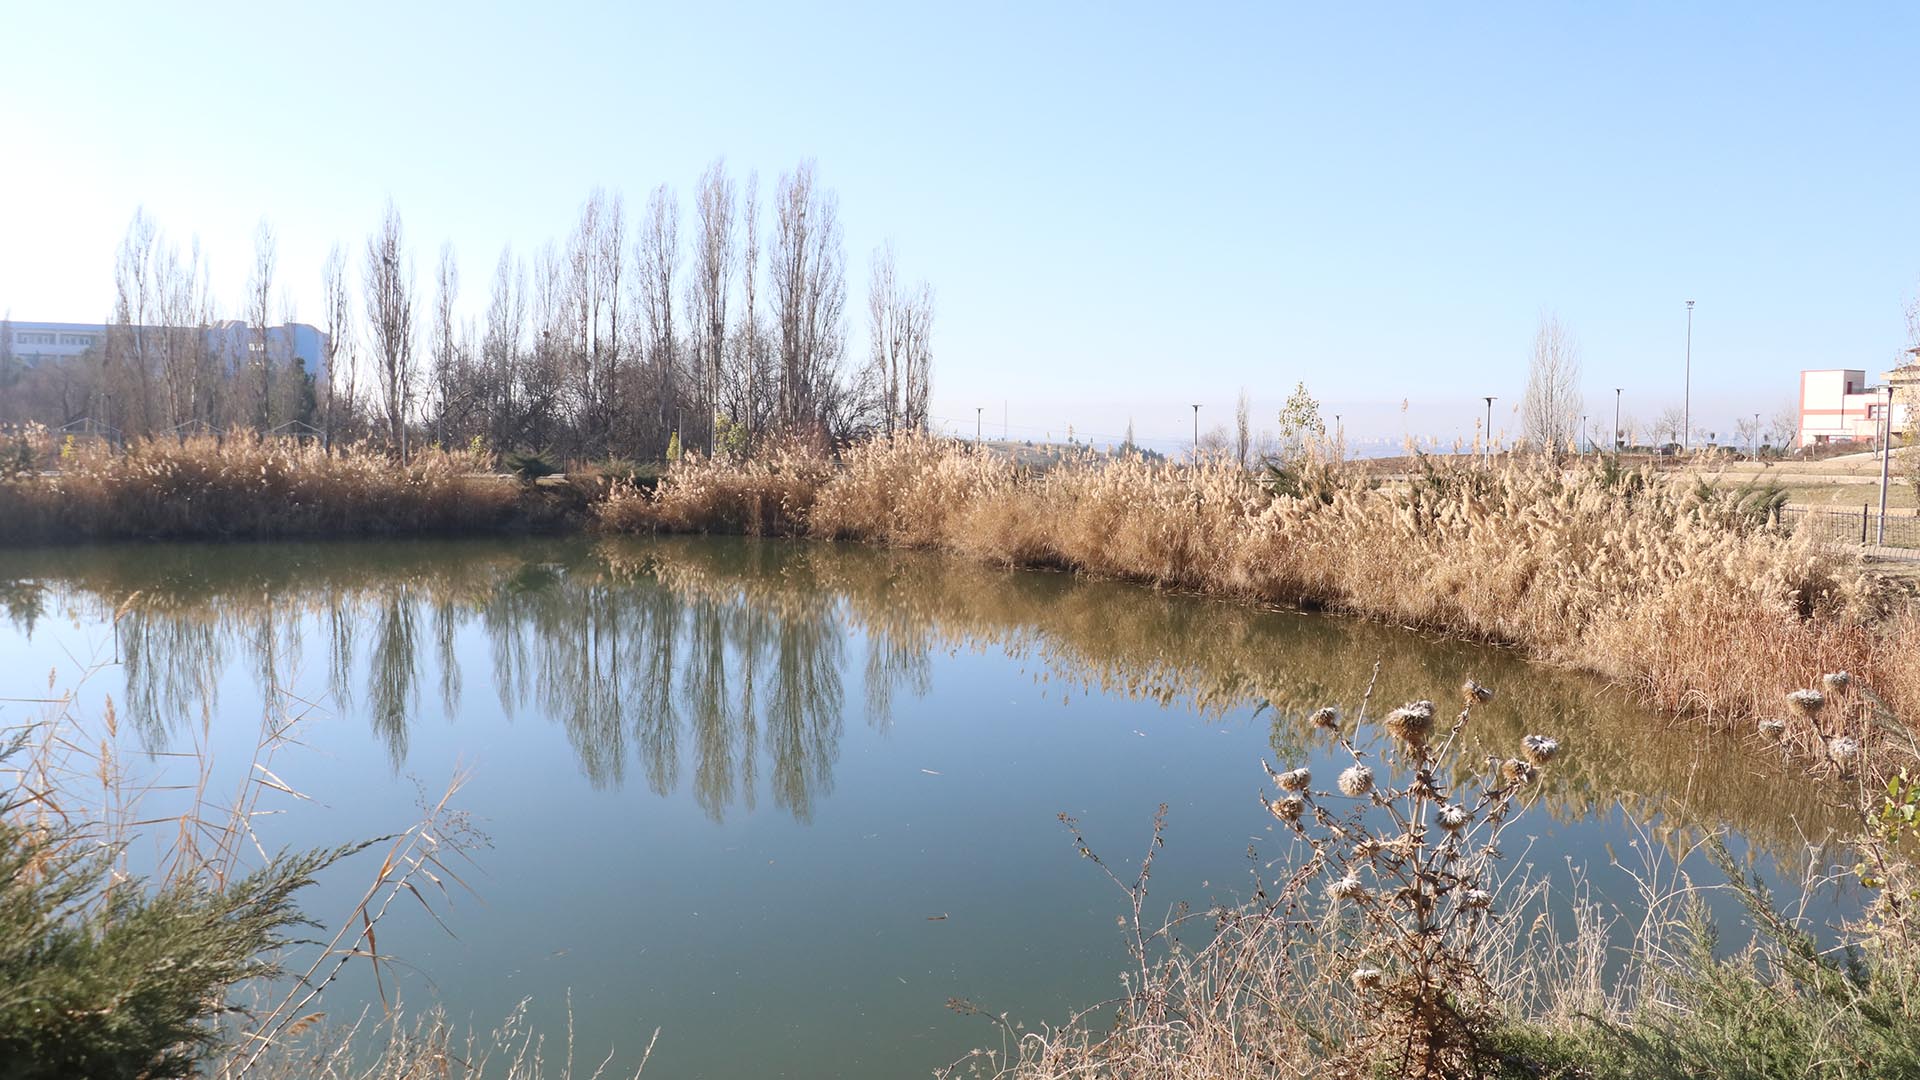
(1667, 586)
(244, 486)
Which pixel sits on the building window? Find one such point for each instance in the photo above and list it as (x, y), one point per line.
(33, 337)
(76, 339)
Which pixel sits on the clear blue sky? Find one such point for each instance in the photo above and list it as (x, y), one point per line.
(1124, 209)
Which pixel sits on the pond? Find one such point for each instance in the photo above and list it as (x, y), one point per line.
(781, 801)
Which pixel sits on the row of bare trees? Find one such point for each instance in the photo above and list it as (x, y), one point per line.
(604, 344)
(168, 363)
(628, 333)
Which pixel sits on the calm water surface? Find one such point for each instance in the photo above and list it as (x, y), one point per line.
(783, 802)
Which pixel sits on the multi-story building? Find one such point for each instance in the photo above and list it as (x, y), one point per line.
(33, 343)
(1837, 405)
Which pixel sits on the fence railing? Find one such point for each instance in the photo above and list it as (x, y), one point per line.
(1848, 526)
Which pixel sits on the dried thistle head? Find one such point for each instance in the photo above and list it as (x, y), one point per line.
(1453, 818)
(1356, 781)
(1367, 978)
(1294, 780)
(1517, 773)
(1287, 808)
(1472, 693)
(1411, 723)
(1835, 682)
(1540, 749)
(1842, 749)
(1476, 899)
(1326, 718)
(1347, 887)
(1807, 703)
(1773, 729)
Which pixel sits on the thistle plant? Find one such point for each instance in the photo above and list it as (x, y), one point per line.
(1410, 879)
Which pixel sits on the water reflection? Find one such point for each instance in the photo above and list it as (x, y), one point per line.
(706, 662)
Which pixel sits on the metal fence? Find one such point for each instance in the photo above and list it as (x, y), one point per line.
(1860, 526)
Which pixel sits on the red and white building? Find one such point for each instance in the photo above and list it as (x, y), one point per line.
(1837, 406)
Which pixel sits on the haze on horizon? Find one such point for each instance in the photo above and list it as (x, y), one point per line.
(1123, 210)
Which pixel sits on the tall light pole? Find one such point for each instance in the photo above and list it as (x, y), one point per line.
(1886, 452)
(1196, 433)
(1619, 437)
(1686, 406)
(977, 411)
(1583, 435)
(1339, 434)
(1756, 432)
(1489, 431)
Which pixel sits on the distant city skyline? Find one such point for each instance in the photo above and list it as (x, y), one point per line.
(1123, 210)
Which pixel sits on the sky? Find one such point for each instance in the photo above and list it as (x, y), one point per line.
(1123, 209)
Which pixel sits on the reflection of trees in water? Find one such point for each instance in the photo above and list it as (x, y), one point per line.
(737, 649)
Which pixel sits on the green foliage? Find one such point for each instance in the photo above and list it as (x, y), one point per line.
(673, 447)
(106, 980)
(1783, 1008)
(1300, 422)
(1302, 477)
(1895, 822)
(1752, 505)
(16, 457)
(642, 475)
(530, 465)
(730, 439)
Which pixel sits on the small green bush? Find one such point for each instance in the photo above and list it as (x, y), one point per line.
(108, 980)
(530, 465)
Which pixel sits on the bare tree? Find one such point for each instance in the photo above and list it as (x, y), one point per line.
(900, 329)
(596, 261)
(1668, 426)
(748, 377)
(125, 389)
(336, 347)
(500, 349)
(657, 259)
(713, 257)
(1551, 410)
(181, 340)
(389, 292)
(809, 299)
(443, 349)
(259, 314)
(1242, 428)
(1783, 430)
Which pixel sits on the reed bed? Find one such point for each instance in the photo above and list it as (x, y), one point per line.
(1662, 583)
(246, 486)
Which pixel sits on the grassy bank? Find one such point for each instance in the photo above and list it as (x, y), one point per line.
(1677, 591)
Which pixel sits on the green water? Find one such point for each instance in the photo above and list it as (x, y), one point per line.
(783, 802)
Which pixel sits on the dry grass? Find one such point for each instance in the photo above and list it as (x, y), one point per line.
(243, 485)
(1635, 576)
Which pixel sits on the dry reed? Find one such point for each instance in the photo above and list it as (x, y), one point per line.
(1645, 579)
(243, 485)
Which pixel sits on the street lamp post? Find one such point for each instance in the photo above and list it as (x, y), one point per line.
(1489, 431)
(1196, 433)
(1756, 431)
(1686, 407)
(977, 410)
(1619, 437)
(1886, 452)
(1583, 435)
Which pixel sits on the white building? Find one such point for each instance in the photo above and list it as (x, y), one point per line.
(1837, 406)
(31, 343)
